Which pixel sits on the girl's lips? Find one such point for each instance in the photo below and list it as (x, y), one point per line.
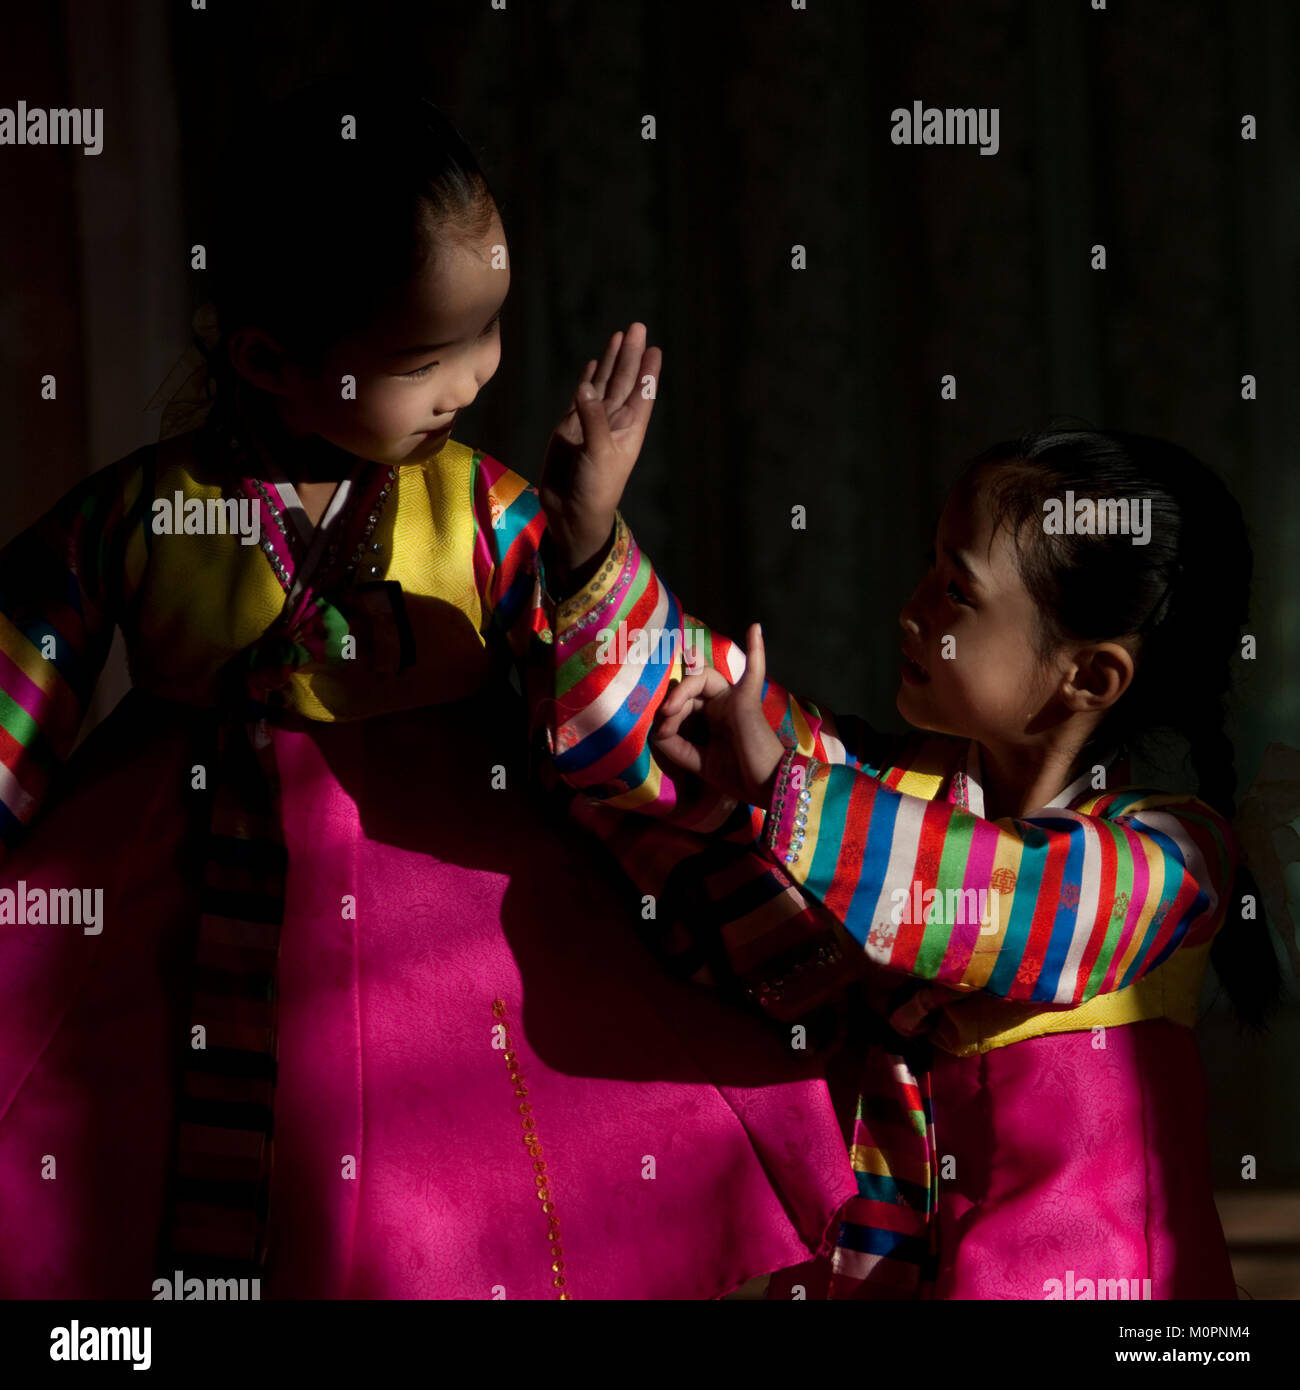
(913, 672)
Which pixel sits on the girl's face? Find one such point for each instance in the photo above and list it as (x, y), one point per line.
(423, 358)
(968, 630)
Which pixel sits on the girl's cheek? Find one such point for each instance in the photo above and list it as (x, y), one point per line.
(385, 409)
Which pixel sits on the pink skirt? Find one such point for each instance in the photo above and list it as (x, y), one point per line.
(1066, 1172)
(686, 1150)
(1072, 1163)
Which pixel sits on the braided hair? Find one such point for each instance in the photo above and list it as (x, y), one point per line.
(1182, 598)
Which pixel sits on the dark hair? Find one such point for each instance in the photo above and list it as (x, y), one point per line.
(1184, 597)
(317, 222)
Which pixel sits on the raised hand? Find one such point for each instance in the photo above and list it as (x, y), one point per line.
(595, 446)
(736, 752)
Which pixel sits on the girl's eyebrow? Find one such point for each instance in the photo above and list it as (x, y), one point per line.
(437, 347)
(962, 561)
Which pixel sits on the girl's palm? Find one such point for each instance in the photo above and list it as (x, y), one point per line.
(595, 446)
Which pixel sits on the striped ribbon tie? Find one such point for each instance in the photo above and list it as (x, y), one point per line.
(219, 1199)
(887, 1245)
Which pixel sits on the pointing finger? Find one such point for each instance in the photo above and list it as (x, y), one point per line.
(751, 682)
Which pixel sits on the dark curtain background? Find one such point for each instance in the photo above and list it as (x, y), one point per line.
(817, 387)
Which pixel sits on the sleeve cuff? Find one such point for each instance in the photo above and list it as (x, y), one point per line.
(596, 595)
(785, 830)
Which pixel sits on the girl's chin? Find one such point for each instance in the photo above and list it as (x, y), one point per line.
(918, 712)
(906, 700)
(906, 706)
(425, 446)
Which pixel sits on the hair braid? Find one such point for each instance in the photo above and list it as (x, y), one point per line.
(1243, 955)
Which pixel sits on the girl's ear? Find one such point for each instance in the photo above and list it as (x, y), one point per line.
(1100, 675)
(259, 359)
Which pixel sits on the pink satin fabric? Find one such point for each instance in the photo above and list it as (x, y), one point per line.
(1058, 1157)
(686, 1151)
(1070, 1157)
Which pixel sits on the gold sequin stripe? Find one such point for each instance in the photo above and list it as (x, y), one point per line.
(534, 1147)
(572, 608)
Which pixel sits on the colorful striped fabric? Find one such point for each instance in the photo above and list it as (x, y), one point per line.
(1086, 897)
(1079, 900)
(218, 1203)
(508, 528)
(63, 583)
(886, 1247)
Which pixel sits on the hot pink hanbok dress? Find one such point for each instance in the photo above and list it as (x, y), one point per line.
(1021, 1093)
(356, 1015)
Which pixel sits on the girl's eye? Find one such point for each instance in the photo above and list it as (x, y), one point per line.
(953, 591)
(429, 366)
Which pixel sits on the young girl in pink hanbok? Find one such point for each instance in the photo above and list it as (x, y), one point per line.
(1019, 934)
(297, 984)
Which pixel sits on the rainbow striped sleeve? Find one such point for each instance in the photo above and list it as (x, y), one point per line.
(1054, 908)
(619, 646)
(508, 528)
(62, 584)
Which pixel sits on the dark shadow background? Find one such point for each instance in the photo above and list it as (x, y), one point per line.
(817, 387)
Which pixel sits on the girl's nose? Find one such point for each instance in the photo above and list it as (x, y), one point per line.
(909, 624)
(456, 401)
(459, 391)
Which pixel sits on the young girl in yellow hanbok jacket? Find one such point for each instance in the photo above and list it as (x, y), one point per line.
(348, 1014)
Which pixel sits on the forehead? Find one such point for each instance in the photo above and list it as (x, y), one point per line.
(452, 294)
(967, 524)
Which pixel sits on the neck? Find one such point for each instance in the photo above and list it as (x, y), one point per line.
(305, 458)
(1019, 778)
(311, 459)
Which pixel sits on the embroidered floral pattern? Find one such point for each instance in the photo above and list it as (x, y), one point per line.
(1002, 880)
(882, 936)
